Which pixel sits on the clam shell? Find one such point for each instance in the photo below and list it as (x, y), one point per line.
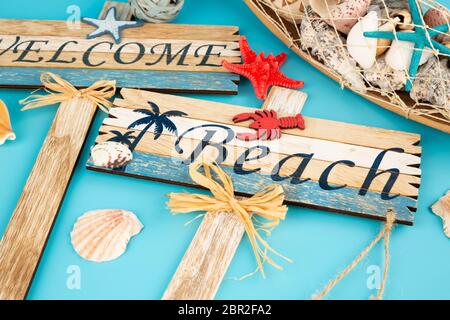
(6, 132)
(442, 210)
(400, 53)
(343, 15)
(289, 9)
(103, 235)
(111, 155)
(362, 49)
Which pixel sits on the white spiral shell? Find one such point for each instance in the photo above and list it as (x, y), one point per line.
(103, 235)
(112, 155)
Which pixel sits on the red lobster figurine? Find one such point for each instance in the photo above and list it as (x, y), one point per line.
(267, 125)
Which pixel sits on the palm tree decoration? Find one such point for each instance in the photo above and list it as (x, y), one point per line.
(124, 138)
(155, 117)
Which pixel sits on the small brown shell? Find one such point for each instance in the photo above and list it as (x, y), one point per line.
(437, 16)
(403, 19)
(112, 155)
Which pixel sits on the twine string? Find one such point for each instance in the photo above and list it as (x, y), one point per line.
(386, 233)
(60, 90)
(284, 20)
(267, 203)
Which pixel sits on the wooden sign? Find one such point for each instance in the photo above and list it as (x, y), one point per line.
(171, 58)
(25, 237)
(330, 165)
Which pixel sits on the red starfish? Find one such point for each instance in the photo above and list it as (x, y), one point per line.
(263, 72)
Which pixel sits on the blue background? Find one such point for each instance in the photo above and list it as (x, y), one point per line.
(320, 243)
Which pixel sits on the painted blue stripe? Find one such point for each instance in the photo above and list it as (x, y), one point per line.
(344, 200)
(173, 81)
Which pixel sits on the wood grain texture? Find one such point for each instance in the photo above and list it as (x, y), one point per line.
(374, 97)
(27, 232)
(203, 267)
(163, 81)
(308, 194)
(315, 128)
(108, 61)
(288, 144)
(365, 186)
(340, 176)
(147, 31)
(187, 58)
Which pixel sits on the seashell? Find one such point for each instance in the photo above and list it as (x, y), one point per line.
(442, 209)
(362, 49)
(6, 132)
(112, 155)
(103, 235)
(403, 19)
(400, 53)
(289, 9)
(432, 83)
(343, 15)
(326, 45)
(437, 16)
(384, 77)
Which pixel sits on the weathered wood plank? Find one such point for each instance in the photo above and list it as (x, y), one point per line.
(109, 61)
(167, 81)
(25, 237)
(309, 193)
(156, 46)
(45, 45)
(315, 128)
(213, 247)
(340, 175)
(287, 144)
(200, 273)
(148, 31)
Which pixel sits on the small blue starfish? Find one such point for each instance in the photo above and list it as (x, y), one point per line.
(110, 25)
(421, 37)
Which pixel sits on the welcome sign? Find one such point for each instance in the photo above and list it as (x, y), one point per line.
(330, 165)
(181, 58)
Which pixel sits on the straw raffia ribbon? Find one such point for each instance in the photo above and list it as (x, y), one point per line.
(60, 90)
(268, 204)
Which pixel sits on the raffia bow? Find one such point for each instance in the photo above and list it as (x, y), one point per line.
(60, 90)
(268, 204)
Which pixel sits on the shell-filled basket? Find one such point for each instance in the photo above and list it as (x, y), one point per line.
(394, 53)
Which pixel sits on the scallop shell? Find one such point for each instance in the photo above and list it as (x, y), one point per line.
(289, 9)
(112, 155)
(343, 15)
(442, 209)
(103, 235)
(6, 132)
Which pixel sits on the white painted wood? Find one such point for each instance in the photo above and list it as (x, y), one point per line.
(287, 144)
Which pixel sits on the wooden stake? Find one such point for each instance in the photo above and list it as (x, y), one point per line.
(26, 235)
(206, 261)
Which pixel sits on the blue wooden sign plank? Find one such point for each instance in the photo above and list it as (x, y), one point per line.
(167, 81)
(309, 193)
